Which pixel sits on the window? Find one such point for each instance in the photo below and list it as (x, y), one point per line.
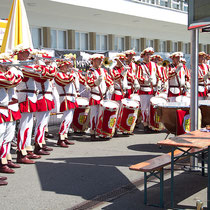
(149, 43)
(185, 48)
(175, 46)
(36, 34)
(205, 48)
(162, 46)
(81, 41)
(101, 42)
(119, 44)
(135, 44)
(58, 39)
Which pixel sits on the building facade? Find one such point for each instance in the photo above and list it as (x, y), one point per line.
(113, 25)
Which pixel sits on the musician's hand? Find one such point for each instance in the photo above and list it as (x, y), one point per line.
(15, 71)
(111, 89)
(87, 87)
(180, 65)
(150, 79)
(136, 85)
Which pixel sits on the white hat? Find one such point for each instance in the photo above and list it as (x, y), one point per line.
(176, 54)
(130, 52)
(95, 56)
(183, 60)
(147, 50)
(21, 48)
(156, 56)
(202, 53)
(119, 55)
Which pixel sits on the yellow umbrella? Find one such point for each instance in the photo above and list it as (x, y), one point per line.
(17, 30)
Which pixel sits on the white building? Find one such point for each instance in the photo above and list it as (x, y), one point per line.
(113, 25)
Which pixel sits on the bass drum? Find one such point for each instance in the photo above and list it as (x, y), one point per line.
(127, 116)
(81, 115)
(155, 117)
(107, 118)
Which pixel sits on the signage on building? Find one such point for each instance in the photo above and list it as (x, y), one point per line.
(198, 14)
(207, 29)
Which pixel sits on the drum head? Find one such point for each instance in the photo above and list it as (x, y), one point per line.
(130, 103)
(183, 99)
(110, 104)
(81, 101)
(204, 102)
(157, 100)
(177, 105)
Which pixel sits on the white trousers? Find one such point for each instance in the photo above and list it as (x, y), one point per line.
(93, 117)
(145, 108)
(25, 132)
(66, 121)
(42, 119)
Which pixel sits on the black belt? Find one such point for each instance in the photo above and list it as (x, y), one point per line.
(67, 94)
(98, 94)
(14, 101)
(27, 91)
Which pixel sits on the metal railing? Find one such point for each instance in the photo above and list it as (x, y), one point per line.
(181, 5)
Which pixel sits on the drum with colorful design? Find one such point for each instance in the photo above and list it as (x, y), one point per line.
(107, 117)
(154, 116)
(128, 115)
(136, 97)
(81, 115)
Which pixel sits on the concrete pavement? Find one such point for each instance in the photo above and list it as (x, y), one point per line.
(96, 175)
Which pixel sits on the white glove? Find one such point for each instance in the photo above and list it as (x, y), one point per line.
(99, 80)
(179, 67)
(87, 87)
(150, 80)
(111, 89)
(16, 72)
(123, 73)
(136, 85)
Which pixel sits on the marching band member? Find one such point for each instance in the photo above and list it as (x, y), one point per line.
(45, 104)
(66, 82)
(162, 87)
(187, 78)
(99, 81)
(176, 76)
(133, 70)
(203, 76)
(147, 75)
(27, 97)
(14, 111)
(8, 79)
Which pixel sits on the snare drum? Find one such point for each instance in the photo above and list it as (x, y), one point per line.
(81, 115)
(154, 117)
(168, 114)
(205, 111)
(107, 118)
(183, 99)
(127, 115)
(136, 97)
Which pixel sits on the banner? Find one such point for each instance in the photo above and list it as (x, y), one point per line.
(82, 57)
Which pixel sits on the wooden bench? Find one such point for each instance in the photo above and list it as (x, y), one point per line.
(155, 167)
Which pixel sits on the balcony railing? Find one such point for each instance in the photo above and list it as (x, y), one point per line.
(181, 5)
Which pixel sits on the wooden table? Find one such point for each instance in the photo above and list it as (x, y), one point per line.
(194, 139)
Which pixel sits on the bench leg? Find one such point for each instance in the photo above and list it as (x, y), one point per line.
(145, 188)
(202, 163)
(161, 187)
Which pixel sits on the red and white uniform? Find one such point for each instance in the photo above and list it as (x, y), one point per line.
(7, 79)
(202, 84)
(147, 76)
(130, 86)
(120, 82)
(27, 97)
(98, 91)
(45, 102)
(176, 81)
(14, 111)
(67, 85)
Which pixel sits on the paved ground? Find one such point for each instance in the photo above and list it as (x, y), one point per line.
(95, 175)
